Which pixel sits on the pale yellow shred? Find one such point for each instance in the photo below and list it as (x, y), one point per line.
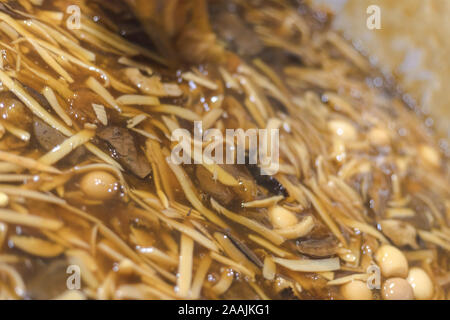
(95, 86)
(393, 213)
(176, 111)
(159, 256)
(328, 275)
(230, 82)
(15, 25)
(221, 174)
(87, 265)
(418, 255)
(138, 292)
(141, 100)
(108, 37)
(183, 228)
(13, 217)
(103, 156)
(87, 66)
(15, 131)
(71, 295)
(100, 112)
(200, 275)
(269, 246)
(249, 223)
(9, 258)
(298, 230)
(146, 271)
(363, 227)
(133, 122)
(211, 117)
(188, 189)
(348, 51)
(47, 14)
(185, 266)
(234, 253)
(70, 144)
(309, 265)
(32, 104)
(67, 42)
(263, 203)
(130, 63)
(430, 237)
(156, 177)
(235, 266)
(38, 30)
(260, 111)
(58, 86)
(120, 86)
(10, 32)
(346, 279)
(27, 163)
(200, 80)
(224, 283)
(36, 246)
(50, 61)
(323, 214)
(269, 268)
(15, 279)
(53, 101)
(4, 201)
(36, 195)
(146, 134)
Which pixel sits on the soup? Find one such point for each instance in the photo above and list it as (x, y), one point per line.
(360, 202)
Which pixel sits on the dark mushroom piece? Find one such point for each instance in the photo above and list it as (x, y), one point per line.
(123, 147)
(400, 233)
(217, 190)
(318, 247)
(48, 138)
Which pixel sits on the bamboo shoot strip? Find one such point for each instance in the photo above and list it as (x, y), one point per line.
(185, 266)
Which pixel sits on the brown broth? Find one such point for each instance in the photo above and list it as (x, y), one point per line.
(393, 168)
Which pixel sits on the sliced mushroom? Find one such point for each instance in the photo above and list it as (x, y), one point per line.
(218, 191)
(400, 233)
(318, 247)
(123, 147)
(48, 137)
